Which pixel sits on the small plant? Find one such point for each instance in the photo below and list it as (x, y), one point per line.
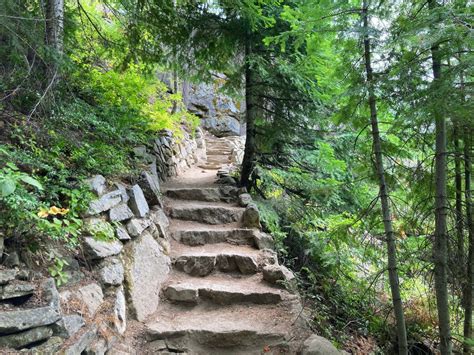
(56, 271)
(11, 177)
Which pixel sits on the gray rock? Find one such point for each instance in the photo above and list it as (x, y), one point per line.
(226, 180)
(2, 245)
(120, 311)
(245, 199)
(246, 264)
(179, 293)
(111, 272)
(146, 268)
(207, 214)
(137, 202)
(123, 192)
(263, 240)
(201, 265)
(120, 213)
(316, 345)
(268, 257)
(122, 234)
(73, 277)
(92, 297)
(251, 217)
(20, 340)
(105, 203)
(151, 188)
(136, 226)
(50, 346)
(50, 293)
(97, 184)
(162, 222)
(98, 347)
(7, 275)
(212, 194)
(278, 275)
(14, 290)
(12, 260)
(218, 112)
(86, 337)
(194, 237)
(68, 325)
(15, 321)
(98, 249)
(25, 275)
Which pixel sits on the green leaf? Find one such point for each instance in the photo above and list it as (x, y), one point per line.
(31, 181)
(7, 187)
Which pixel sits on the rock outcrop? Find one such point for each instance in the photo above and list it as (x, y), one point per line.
(220, 114)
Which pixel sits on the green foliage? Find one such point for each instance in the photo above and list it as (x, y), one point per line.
(10, 177)
(100, 230)
(56, 271)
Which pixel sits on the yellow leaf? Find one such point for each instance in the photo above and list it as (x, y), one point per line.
(63, 211)
(43, 213)
(54, 210)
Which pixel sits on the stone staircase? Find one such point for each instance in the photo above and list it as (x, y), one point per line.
(222, 151)
(216, 300)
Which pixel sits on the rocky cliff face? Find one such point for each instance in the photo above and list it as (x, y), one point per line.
(220, 114)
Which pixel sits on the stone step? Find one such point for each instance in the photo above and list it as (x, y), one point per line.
(210, 166)
(211, 194)
(210, 212)
(202, 234)
(216, 146)
(224, 152)
(221, 290)
(218, 158)
(204, 260)
(236, 329)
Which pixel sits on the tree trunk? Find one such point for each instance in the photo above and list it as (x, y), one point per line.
(468, 289)
(440, 246)
(55, 24)
(384, 196)
(248, 163)
(459, 255)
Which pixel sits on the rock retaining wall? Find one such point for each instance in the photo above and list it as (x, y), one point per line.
(125, 261)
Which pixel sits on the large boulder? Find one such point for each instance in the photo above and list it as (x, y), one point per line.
(219, 114)
(316, 345)
(146, 268)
